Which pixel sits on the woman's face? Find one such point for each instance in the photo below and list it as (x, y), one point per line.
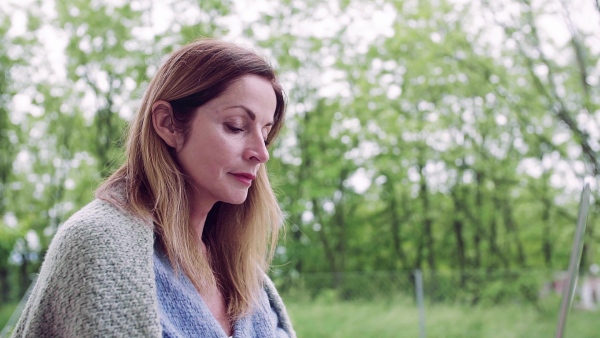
(226, 142)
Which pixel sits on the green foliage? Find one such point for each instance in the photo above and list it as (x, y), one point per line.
(434, 142)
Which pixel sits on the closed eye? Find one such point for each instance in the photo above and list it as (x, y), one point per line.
(234, 129)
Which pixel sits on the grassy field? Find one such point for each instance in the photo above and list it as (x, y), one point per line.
(6, 310)
(389, 318)
(396, 317)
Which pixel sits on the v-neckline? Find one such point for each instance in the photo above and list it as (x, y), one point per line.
(190, 292)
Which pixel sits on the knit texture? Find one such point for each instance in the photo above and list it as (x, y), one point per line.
(183, 313)
(98, 280)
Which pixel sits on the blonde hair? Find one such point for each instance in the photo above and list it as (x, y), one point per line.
(240, 239)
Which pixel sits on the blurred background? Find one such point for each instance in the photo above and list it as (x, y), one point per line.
(432, 148)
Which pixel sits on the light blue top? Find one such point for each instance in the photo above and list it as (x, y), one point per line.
(183, 313)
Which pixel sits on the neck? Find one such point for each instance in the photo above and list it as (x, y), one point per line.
(199, 207)
(198, 218)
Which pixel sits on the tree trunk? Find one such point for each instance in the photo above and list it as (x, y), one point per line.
(513, 231)
(330, 255)
(4, 286)
(428, 240)
(395, 227)
(478, 228)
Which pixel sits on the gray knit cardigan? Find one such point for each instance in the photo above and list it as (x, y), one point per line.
(97, 280)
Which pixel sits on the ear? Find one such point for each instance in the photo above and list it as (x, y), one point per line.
(162, 120)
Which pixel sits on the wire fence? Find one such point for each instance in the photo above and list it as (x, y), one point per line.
(474, 303)
(475, 287)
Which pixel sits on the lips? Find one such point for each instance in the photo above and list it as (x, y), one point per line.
(245, 178)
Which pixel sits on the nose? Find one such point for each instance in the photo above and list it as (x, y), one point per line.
(257, 150)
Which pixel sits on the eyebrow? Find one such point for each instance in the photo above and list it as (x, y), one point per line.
(251, 114)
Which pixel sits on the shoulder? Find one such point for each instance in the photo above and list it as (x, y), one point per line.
(98, 268)
(100, 242)
(103, 223)
(100, 232)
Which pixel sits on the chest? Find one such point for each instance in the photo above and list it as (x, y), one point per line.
(215, 302)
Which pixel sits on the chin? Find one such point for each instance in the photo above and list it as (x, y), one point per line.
(237, 202)
(236, 199)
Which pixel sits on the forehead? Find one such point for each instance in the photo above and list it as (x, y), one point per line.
(252, 92)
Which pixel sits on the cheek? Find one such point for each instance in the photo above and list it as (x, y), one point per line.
(211, 151)
(225, 145)
(224, 154)
(179, 142)
(220, 152)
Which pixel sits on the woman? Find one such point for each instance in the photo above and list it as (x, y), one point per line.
(179, 238)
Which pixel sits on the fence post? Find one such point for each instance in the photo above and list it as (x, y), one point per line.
(420, 302)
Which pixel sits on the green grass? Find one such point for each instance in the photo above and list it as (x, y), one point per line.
(6, 310)
(399, 318)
